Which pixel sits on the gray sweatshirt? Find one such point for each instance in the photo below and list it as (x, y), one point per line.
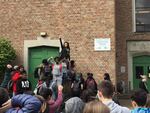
(115, 108)
(56, 70)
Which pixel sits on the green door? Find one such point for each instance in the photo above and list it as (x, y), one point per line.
(36, 55)
(141, 66)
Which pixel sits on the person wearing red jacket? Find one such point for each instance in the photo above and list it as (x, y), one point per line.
(18, 73)
(15, 76)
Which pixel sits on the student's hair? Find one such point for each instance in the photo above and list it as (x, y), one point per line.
(72, 63)
(148, 101)
(74, 105)
(140, 97)
(44, 107)
(45, 62)
(67, 44)
(3, 96)
(90, 75)
(45, 92)
(21, 66)
(96, 107)
(106, 76)
(56, 59)
(88, 95)
(106, 88)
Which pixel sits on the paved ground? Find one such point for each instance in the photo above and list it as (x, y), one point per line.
(125, 100)
(126, 103)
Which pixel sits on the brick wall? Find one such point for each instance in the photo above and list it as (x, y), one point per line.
(124, 33)
(77, 21)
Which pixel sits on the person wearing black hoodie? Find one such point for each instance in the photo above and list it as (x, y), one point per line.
(65, 52)
(7, 76)
(23, 101)
(4, 97)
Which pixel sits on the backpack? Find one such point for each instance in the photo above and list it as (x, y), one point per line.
(60, 67)
(36, 90)
(47, 70)
(10, 85)
(91, 84)
(36, 73)
(76, 86)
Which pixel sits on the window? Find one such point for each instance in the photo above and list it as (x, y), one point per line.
(139, 71)
(142, 15)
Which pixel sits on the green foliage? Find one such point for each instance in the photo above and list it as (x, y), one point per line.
(7, 53)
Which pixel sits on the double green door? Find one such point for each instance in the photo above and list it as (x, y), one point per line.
(141, 66)
(36, 55)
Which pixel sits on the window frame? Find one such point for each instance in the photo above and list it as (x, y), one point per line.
(134, 19)
(133, 16)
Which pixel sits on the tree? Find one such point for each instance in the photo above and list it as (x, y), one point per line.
(7, 53)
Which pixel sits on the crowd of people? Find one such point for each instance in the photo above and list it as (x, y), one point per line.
(61, 89)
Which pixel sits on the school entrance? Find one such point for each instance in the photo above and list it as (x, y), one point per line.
(36, 55)
(141, 66)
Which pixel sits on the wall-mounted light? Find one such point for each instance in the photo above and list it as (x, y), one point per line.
(43, 34)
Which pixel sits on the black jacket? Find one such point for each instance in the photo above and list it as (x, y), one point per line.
(142, 85)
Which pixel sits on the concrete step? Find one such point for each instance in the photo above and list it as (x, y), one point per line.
(124, 96)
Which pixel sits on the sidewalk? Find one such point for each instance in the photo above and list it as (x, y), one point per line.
(126, 103)
(125, 100)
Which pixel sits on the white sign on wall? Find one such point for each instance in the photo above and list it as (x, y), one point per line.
(102, 44)
(123, 69)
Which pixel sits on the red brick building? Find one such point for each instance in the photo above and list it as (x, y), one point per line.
(79, 22)
(132, 40)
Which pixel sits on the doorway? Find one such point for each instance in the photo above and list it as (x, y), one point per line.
(141, 66)
(36, 55)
